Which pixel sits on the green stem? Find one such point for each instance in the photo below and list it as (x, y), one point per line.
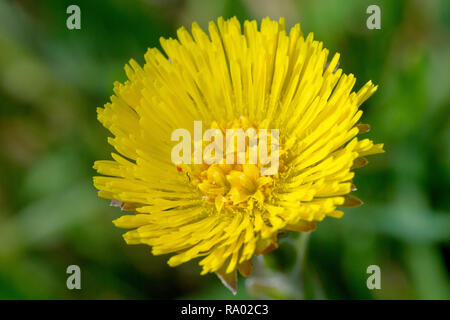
(295, 275)
(267, 283)
(301, 243)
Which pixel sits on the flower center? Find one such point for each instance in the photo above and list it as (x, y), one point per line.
(237, 185)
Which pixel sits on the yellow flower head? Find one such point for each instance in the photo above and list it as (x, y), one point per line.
(237, 77)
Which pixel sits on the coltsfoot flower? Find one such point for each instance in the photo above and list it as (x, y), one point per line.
(237, 77)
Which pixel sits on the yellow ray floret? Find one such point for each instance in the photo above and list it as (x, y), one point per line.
(236, 76)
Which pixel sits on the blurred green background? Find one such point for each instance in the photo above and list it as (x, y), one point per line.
(52, 80)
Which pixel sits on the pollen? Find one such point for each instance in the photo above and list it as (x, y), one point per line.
(235, 186)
